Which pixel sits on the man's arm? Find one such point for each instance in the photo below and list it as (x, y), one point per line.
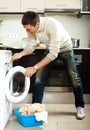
(31, 70)
(46, 60)
(19, 55)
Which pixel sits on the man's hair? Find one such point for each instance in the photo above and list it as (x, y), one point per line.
(30, 18)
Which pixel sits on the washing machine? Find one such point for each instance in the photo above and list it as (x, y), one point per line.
(9, 94)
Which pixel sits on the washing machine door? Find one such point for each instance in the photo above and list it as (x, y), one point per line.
(16, 84)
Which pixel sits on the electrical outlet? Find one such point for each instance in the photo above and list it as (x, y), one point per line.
(13, 35)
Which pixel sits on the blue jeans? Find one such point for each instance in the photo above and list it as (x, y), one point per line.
(69, 61)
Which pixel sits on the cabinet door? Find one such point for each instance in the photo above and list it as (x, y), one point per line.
(9, 5)
(32, 5)
(62, 4)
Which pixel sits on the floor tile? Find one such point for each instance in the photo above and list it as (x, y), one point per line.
(60, 117)
(73, 126)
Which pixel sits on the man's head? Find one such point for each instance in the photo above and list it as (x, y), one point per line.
(31, 21)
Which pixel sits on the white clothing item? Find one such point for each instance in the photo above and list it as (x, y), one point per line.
(41, 116)
(53, 35)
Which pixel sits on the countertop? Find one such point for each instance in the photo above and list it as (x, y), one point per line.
(42, 47)
(82, 48)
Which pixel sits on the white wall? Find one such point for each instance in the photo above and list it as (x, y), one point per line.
(77, 27)
(11, 24)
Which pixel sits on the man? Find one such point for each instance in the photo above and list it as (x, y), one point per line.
(49, 31)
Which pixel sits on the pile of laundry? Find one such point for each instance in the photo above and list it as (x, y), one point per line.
(32, 108)
(37, 109)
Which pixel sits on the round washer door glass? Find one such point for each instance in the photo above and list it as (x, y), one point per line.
(16, 85)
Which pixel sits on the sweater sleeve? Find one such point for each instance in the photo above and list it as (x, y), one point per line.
(54, 43)
(58, 38)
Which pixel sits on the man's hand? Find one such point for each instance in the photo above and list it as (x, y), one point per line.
(30, 71)
(19, 55)
(16, 56)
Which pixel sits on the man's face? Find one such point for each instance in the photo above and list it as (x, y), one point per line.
(30, 28)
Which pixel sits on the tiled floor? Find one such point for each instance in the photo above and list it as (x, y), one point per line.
(60, 117)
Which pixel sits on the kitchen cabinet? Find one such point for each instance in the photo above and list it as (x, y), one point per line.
(82, 62)
(9, 6)
(58, 78)
(21, 6)
(32, 5)
(62, 4)
(84, 69)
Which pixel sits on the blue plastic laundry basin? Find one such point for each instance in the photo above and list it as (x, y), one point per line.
(26, 120)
